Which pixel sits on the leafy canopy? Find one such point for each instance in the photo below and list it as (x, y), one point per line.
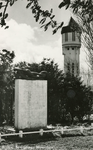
(46, 18)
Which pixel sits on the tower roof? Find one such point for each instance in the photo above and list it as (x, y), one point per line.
(71, 27)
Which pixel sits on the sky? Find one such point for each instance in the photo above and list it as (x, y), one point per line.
(30, 42)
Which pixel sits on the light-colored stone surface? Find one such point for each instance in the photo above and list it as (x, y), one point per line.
(30, 103)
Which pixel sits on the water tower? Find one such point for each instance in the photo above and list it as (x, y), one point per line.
(71, 43)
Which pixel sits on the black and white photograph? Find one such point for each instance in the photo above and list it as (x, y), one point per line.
(46, 75)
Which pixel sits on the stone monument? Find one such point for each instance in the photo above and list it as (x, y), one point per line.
(30, 104)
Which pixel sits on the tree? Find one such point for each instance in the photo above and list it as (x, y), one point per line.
(6, 84)
(86, 26)
(77, 97)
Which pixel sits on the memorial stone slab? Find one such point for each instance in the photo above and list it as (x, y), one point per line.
(30, 104)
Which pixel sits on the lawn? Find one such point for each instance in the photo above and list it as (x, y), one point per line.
(69, 141)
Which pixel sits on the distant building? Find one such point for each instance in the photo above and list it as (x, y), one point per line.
(71, 44)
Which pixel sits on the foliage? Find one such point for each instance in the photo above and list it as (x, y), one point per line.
(43, 16)
(3, 15)
(6, 84)
(85, 20)
(78, 98)
(46, 18)
(82, 6)
(55, 81)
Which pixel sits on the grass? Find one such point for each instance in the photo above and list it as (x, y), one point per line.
(64, 143)
(72, 140)
(69, 141)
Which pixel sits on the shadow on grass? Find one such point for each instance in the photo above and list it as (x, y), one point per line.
(32, 139)
(36, 138)
(71, 135)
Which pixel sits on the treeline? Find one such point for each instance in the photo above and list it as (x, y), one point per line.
(68, 97)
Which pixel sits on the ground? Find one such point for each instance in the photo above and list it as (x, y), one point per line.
(66, 143)
(73, 140)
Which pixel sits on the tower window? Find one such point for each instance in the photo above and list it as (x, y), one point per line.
(73, 36)
(72, 68)
(66, 36)
(72, 48)
(68, 67)
(68, 48)
(77, 70)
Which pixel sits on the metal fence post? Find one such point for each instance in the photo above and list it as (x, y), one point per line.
(62, 130)
(21, 134)
(41, 132)
(81, 130)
